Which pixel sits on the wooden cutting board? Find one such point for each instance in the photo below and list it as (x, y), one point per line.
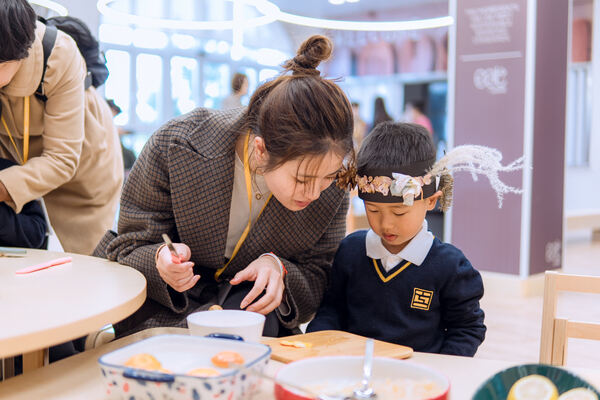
(331, 343)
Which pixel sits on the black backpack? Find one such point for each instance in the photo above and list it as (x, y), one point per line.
(97, 72)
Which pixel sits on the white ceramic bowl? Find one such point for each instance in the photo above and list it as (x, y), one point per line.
(330, 374)
(248, 325)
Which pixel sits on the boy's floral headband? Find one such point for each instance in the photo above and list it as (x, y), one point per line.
(418, 180)
(403, 185)
(404, 189)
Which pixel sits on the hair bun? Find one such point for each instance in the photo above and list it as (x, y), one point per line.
(312, 51)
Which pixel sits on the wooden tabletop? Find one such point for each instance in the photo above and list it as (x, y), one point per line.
(61, 303)
(79, 377)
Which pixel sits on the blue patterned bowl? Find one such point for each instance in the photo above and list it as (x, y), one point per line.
(498, 386)
(180, 354)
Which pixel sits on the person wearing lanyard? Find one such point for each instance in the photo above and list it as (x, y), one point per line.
(248, 197)
(66, 145)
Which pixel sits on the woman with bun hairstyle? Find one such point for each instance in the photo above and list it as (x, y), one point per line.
(246, 195)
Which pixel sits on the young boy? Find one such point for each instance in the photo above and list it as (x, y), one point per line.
(397, 282)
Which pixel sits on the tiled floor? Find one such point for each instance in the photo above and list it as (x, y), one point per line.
(514, 324)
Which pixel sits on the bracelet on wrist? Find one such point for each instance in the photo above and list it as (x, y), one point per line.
(282, 270)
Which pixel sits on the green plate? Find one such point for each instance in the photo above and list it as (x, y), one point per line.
(497, 387)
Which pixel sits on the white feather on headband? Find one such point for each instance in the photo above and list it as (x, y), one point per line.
(479, 160)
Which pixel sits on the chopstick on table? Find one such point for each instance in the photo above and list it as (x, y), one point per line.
(44, 265)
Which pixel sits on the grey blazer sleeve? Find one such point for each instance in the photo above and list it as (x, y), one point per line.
(308, 275)
(146, 212)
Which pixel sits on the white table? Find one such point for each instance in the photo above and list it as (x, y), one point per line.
(79, 377)
(61, 303)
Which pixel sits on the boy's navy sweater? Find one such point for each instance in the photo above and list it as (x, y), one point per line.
(26, 229)
(432, 308)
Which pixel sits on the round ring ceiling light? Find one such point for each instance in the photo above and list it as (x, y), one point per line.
(51, 5)
(379, 26)
(270, 13)
(268, 10)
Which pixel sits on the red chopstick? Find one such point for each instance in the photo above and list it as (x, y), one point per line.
(47, 264)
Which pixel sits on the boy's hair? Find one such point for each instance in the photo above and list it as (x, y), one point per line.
(395, 146)
(17, 29)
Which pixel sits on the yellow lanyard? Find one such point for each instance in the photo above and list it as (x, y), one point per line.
(248, 180)
(22, 160)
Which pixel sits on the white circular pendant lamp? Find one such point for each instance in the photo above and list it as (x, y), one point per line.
(270, 13)
(378, 26)
(51, 5)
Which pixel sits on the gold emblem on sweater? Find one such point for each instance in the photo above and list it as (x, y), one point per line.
(421, 299)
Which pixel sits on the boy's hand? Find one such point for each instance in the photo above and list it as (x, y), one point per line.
(180, 276)
(265, 273)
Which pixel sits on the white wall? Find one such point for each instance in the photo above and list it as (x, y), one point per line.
(582, 185)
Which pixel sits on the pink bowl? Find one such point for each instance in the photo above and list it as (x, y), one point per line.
(335, 371)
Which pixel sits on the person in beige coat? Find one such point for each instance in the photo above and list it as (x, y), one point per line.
(72, 157)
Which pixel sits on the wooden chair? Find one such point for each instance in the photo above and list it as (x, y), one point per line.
(557, 331)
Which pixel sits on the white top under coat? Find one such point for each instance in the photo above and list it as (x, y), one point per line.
(238, 215)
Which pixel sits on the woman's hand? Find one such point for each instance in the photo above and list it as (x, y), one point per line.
(180, 276)
(265, 273)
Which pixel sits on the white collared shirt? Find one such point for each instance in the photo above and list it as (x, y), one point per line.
(415, 251)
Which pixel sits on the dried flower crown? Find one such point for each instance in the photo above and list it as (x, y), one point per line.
(420, 179)
(400, 185)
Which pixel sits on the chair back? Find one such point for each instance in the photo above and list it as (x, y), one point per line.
(52, 242)
(557, 331)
